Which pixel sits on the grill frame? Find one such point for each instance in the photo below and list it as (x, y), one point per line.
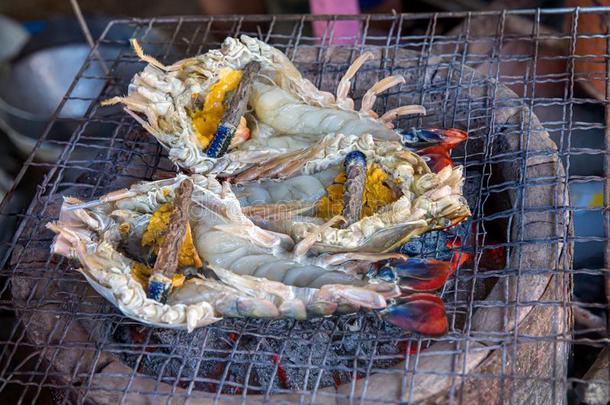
(57, 179)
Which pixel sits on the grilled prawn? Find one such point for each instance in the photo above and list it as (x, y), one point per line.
(224, 265)
(246, 102)
(352, 194)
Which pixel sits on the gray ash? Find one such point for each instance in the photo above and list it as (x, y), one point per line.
(272, 355)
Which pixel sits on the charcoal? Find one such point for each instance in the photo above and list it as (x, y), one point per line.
(272, 355)
(472, 187)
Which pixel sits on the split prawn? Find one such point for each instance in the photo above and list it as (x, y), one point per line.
(198, 104)
(403, 197)
(251, 271)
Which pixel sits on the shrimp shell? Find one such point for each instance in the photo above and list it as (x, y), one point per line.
(241, 255)
(428, 200)
(288, 110)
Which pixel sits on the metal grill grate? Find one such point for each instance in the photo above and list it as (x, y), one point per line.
(509, 303)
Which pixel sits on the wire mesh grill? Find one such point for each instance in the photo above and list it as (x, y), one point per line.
(68, 343)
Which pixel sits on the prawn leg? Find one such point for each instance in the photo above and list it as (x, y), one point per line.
(308, 241)
(346, 81)
(368, 258)
(394, 113)
(279, 167)
(368, 100)
(276, 212)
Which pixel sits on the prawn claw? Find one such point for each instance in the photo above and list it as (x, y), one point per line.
(448, 138)
(414, 274)
(419, 313)
(434, 145)
(436, 157)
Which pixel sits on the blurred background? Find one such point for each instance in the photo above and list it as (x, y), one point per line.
(42, 47)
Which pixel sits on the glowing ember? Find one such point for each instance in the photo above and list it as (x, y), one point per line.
(281, 372)
(458, 256)
(407, 347)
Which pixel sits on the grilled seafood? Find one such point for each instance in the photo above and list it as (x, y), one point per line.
(434, 145)
(196, 107)
(399, 199)
(250, 271)
(302, 203)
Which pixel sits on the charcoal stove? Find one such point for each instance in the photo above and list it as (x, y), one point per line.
(509, 303)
